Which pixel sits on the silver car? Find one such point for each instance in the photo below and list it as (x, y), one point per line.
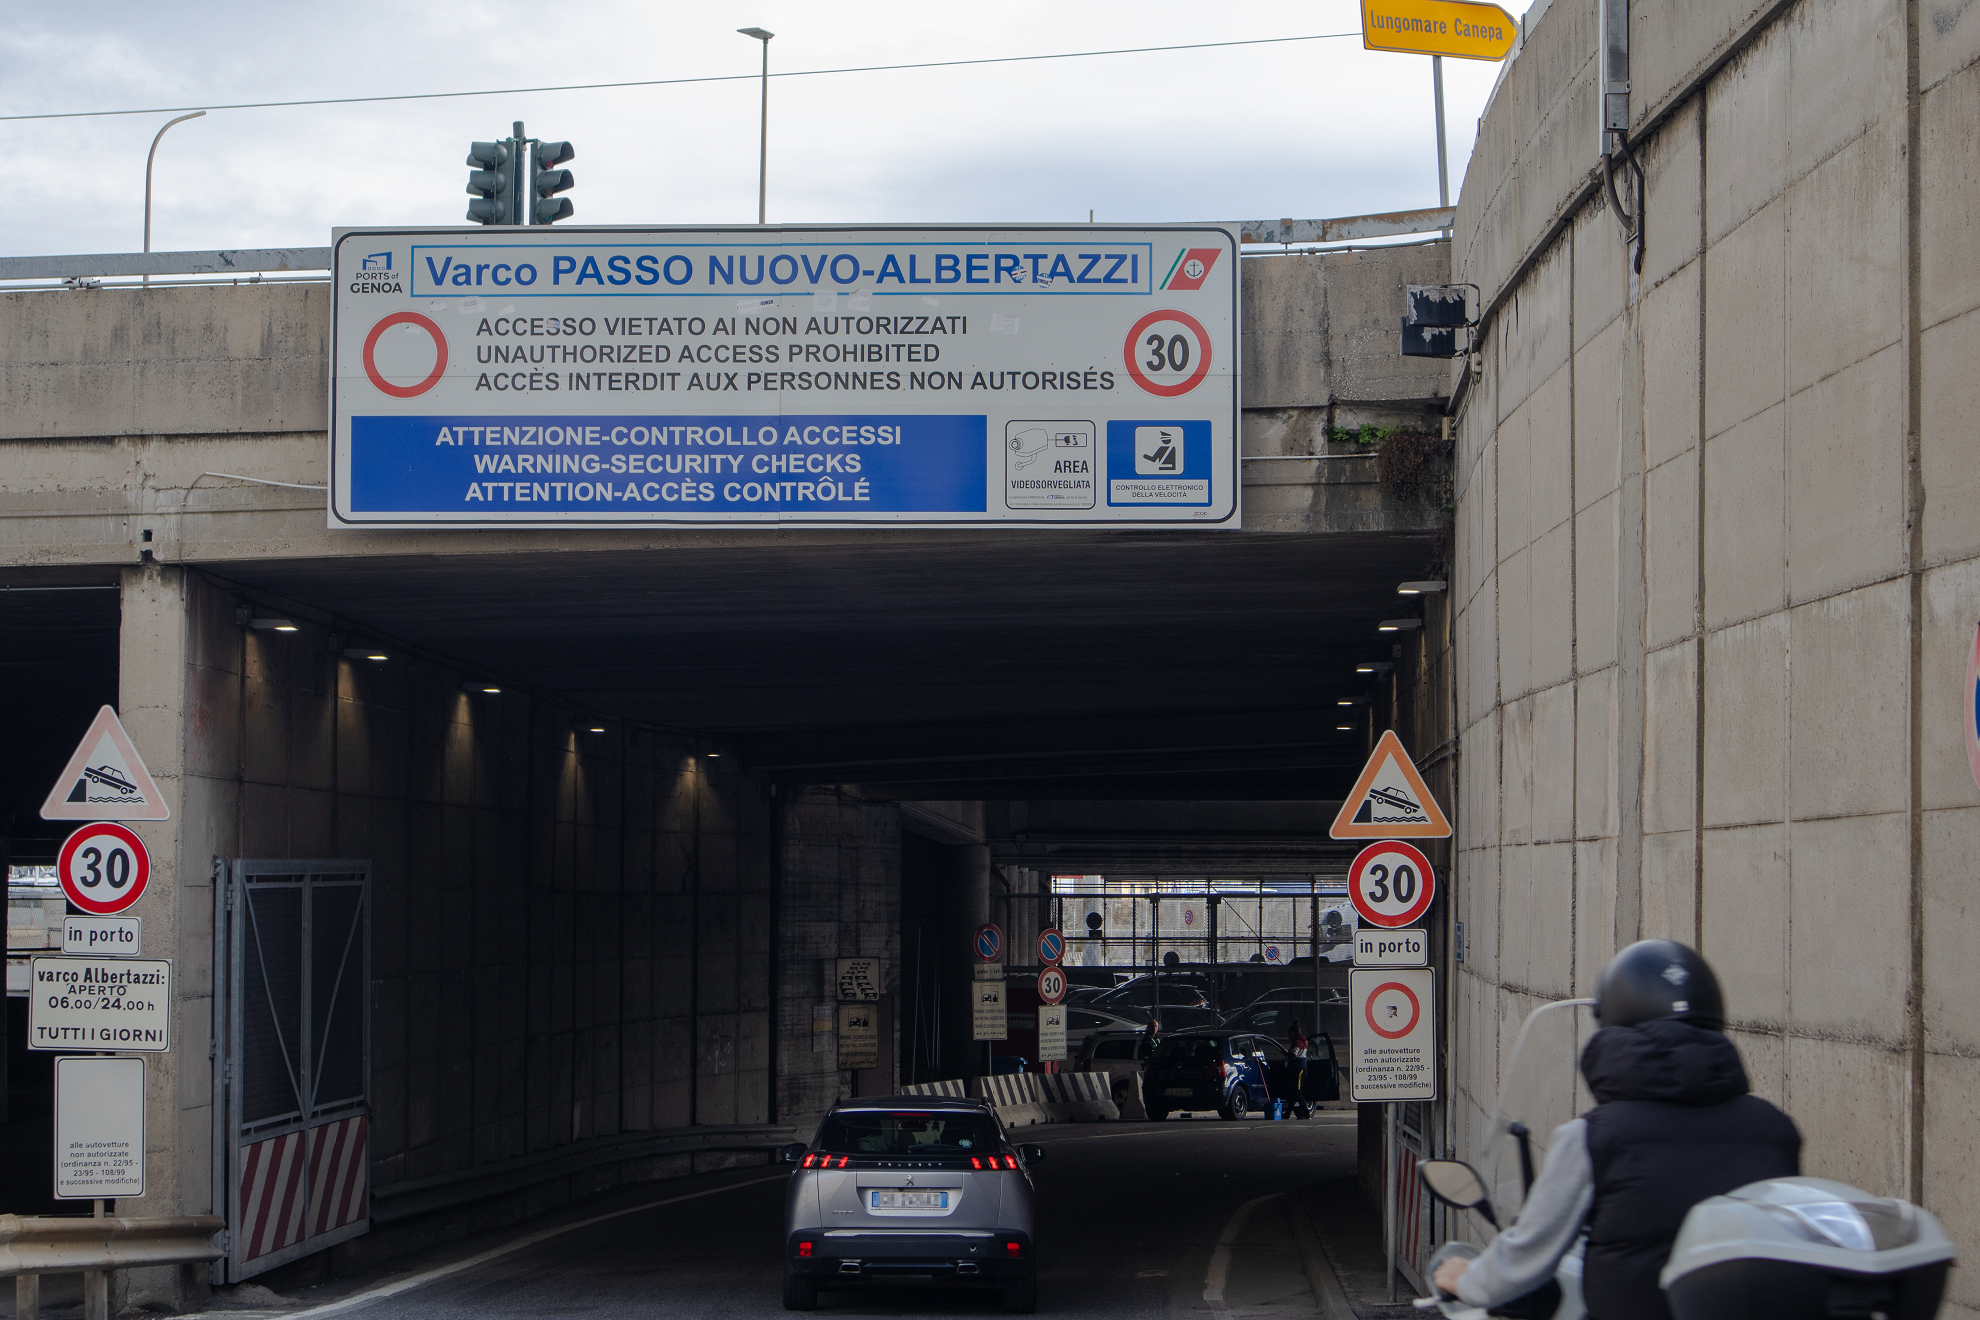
(910, 1186)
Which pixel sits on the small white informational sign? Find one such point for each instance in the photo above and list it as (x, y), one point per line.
(858, 980)
(99, 1128)
(1051, 1032)
(1392, 1034)
(1376, 947)
(100, 1004)
(117, 937)
(987, 1012)
(859, 1036)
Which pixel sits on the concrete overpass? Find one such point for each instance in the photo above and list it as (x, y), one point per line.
(625, 796)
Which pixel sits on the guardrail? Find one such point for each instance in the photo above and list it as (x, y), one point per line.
(34, 1245)
(241, 263)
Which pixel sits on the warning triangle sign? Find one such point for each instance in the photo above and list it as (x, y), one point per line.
(105, 779)
(1390, 800)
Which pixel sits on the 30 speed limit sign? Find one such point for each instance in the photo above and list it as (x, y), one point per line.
(103, 868)
(1168, 353)
(1391, 883)
(1052, 985)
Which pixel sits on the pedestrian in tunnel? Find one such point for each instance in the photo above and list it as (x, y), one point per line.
(1300, 1048)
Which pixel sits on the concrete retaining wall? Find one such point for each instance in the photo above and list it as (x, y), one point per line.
(1718, 563)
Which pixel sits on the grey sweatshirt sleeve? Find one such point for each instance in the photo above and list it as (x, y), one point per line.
(1524, 1256)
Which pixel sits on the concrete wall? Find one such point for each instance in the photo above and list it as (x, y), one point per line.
(1716, 571)
(571, 933)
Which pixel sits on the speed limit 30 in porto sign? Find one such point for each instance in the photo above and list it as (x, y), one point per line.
(1391, 883)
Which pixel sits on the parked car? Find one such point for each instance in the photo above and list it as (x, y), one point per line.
(1085, 1021)
(1175, 991)
(910, 1185)
(1117, 1053)
(1234, 1072)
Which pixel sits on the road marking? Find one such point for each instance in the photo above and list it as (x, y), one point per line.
(1220, 1259)
(393, 1289)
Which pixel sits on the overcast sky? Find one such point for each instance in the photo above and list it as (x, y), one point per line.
(1304, 129)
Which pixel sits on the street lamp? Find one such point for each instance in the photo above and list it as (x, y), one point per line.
(763, 144)
(147, 176)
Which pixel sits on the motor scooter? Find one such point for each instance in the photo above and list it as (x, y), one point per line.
(1540, 1088)
(1790, 1248)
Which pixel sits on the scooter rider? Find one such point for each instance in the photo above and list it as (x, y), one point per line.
(1672, 1125)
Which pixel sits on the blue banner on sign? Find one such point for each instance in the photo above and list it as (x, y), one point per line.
(668, 464)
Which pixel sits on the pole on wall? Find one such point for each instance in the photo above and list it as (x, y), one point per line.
(1443, 170)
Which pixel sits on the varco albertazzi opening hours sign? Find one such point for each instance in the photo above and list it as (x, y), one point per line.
(536, 377)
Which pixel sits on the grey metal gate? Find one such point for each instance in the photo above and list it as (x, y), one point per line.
(292, 1058)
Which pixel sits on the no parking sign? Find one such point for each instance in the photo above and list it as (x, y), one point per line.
(1392, 1033)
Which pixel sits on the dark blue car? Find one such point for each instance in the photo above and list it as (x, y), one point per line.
(1234, 1072)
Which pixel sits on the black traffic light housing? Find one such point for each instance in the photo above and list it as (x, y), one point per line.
(491, 182)
(546, 208)
(514, 180)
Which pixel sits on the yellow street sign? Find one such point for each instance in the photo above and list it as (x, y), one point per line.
(1438, 27)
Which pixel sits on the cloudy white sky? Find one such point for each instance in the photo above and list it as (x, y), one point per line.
(1307, 129)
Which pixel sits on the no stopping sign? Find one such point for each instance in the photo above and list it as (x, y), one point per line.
(1391, 883)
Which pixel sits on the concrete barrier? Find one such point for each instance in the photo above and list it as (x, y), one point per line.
(1015, 1096)
(1077, 1097)
(954, 1086)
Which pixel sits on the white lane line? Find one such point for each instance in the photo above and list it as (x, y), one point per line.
(1220, 1259)
(420, 1280)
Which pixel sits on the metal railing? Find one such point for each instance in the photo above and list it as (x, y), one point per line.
(256, 265)
(31, 1246)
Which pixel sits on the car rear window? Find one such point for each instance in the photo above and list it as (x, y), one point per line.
(1114, 1049)
(870, 1132)
(1188, 1048)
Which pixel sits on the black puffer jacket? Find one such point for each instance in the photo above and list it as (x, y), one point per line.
(1673, 1125)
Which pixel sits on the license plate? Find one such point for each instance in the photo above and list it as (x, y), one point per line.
(1179, 1090)
(909, 1200)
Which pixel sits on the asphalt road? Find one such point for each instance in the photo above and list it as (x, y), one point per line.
(1134, 1219)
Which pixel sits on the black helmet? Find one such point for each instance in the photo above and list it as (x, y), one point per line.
(1654, 979)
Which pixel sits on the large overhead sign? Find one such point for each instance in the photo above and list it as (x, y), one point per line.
(1041, 377)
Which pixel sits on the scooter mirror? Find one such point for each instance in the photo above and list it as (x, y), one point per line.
(1456, 1183)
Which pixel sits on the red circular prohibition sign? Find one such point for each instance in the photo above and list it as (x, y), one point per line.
(1202, 364)
(1415, 1010)
(439, 357)
(75, 886)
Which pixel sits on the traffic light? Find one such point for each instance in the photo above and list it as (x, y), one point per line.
(491, 182)
(545, 182)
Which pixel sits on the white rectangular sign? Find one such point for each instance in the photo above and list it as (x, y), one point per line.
(1392, 1033)
(1023, 376)
(1051, 1032)
(1375, 946)
(119, 937)
(100, 1004)
(987, 1015)
(99, 1128)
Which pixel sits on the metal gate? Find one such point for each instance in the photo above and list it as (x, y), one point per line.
(292, 1058)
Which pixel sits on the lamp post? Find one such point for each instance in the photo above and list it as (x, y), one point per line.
(763, 144)
(152, 156)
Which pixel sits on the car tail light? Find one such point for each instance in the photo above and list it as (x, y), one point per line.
(1223, 1068)
(975, 1163)
(843, 1159)
(1011, 1249)
(804, 1248)
(808, 1161)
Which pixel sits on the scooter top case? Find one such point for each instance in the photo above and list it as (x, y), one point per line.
(1806, 1249)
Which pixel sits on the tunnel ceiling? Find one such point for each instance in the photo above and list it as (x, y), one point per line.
(1112, 666)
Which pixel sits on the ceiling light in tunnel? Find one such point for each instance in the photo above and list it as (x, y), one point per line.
(714, 756)
(272, 625)
(364, 653)
(1399, 625)
(492, 691)
(598, 728)
(1427, 588)
(1345, 728)
(1373, 667)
